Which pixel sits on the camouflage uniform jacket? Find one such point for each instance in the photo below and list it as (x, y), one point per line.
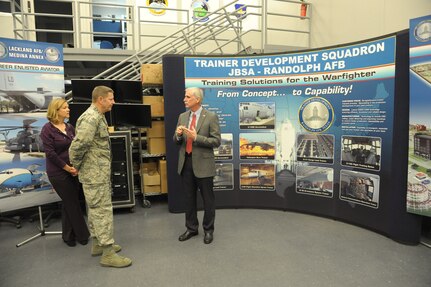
(90, 151)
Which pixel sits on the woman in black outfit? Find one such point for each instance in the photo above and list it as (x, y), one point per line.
(57, 137)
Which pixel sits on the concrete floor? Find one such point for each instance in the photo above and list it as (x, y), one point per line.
(251, 248)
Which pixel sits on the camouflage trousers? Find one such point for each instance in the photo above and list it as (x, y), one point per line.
(100, 217)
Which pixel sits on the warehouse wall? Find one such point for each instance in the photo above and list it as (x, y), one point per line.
(7, 25)
(333, 21)
(342, 21)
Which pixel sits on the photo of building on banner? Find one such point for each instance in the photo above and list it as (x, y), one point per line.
(419, 168)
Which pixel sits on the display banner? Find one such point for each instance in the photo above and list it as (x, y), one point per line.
(31, 75)
(419, 168)
(316, 122)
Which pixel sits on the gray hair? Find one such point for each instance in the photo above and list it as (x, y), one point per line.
(197, 92)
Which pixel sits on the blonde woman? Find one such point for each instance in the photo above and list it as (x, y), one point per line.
(57, 136)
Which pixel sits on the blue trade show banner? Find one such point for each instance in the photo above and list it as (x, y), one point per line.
(31, 75)
(321, 131)
(419, 169)
(319, 121)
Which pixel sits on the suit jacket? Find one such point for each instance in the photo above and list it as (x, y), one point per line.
(208, 138)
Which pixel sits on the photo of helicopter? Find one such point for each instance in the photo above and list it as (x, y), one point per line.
(27, 138)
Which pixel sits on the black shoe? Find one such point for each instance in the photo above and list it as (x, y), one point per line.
(187, 235)
(208, 238)
(83, 242)
(70, 243)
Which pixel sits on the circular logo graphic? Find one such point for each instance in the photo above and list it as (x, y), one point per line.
(316, 114)
(200, 10)
(3, 50)
(422, 31)
(157, 6)
(52, 54)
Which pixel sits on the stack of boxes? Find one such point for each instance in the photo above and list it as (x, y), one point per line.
(154, 173)
(152, 74)
(163, 176)
(156, 138)
(151, 177)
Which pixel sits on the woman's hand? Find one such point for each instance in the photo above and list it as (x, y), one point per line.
(70, 169)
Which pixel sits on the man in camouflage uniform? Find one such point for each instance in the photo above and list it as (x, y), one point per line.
(90, 154)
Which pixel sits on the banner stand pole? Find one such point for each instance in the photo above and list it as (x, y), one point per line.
(425, 244)
(42, 231)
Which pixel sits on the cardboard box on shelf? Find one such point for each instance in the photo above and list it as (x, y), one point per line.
(152, 74)
(151, 178)
(163, 176)
(147, 167)
(156, 145)
(157, 104)
(157, 130)
(151, 188)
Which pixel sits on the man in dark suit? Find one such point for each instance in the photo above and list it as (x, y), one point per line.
(197, 133)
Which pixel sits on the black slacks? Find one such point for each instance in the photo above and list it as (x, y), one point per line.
(205, 185)
(74, 226)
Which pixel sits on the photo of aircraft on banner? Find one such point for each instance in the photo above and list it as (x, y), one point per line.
(16, 181)
(27, 100)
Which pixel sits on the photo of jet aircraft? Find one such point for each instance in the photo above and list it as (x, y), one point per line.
(25, 99)
(254, 175)
(261, 145)
(259, 174)
(15, 181)
(257, 145)
(250, 112)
